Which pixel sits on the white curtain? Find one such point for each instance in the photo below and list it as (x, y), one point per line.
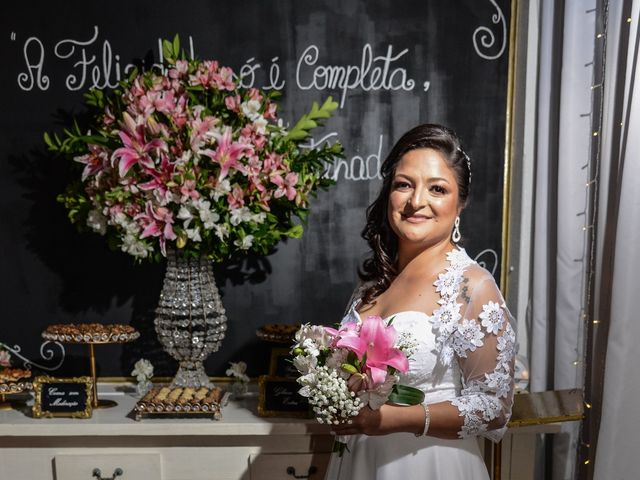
(585, 232)
(560, 230)
(617, 445)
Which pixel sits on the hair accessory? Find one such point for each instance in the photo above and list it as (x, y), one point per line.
(427, 420)
(455, 235)
(466, 157)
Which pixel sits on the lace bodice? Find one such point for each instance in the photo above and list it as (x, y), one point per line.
(466, 347)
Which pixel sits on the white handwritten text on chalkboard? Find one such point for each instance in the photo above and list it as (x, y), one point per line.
(94, 64)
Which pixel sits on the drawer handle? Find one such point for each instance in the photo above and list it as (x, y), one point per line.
(98, 474)
(292, 471)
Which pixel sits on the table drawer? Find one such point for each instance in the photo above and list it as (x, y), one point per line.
(111, 466)
(287, 466)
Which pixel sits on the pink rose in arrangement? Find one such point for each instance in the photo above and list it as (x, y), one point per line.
(342, 370)
(182, 156)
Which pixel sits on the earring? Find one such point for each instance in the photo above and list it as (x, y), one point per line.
(455, 235)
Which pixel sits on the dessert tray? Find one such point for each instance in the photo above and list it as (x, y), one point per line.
(15, 380)
(181, 402)
(90, 333)
(278, 333)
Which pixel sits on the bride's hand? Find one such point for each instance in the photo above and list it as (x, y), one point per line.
(368, 422)
(388, 419)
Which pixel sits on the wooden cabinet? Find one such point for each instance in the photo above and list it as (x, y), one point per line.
(240, 446)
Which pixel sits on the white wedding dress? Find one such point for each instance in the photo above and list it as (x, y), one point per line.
(465, 356)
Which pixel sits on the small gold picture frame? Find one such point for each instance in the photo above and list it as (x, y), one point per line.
(280, 364)
(279, 397)
(62, 397)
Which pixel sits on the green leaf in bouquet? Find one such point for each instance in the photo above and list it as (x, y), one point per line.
(405, 395)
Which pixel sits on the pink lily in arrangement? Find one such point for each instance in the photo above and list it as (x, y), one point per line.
(136, 148)
(226, 153)
(157, 223)
(161, 177)
(286, 185)
(374, 344)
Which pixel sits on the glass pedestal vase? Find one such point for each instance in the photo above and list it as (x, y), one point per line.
(190, 319)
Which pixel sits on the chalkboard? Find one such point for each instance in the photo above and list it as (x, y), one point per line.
(279, 397)
(57, 397)
(408, 62)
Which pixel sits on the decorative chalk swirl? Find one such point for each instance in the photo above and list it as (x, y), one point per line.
(490, 260)
(47, 353)
(487, 38)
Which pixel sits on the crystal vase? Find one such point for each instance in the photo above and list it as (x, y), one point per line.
(190, 319)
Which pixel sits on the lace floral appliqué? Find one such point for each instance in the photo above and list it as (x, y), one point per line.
(483, 399)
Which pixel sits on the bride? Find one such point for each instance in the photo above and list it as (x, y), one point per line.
(419, 275)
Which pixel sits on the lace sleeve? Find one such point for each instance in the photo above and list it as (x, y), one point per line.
(484, 345)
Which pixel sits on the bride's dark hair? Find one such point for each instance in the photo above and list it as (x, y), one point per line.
(380, 267)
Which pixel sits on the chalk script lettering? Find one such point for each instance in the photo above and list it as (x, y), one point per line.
(274, 76)
(76, 82)
(357, 168)
(247, 73)
(33, 75)
(102, 72)
(374, 73)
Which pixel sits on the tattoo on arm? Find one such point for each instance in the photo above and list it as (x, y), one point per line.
(464, 294)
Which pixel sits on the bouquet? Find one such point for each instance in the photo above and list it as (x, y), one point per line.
(182, 156)
(356, 365)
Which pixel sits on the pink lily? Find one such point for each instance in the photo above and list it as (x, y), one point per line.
(94, 162)
(136, 148)
(223, 79)
(161, 177)
(375, 344)
(157, 223)
(286, 186)
(199, 127)
(227, 153)
(236, 197)
(233, 102)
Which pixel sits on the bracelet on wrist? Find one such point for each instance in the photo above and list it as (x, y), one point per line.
(427, 420)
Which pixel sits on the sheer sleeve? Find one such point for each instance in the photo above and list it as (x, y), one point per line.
(484, 345)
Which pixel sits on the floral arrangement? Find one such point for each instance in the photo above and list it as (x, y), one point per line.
(143, 371)
(237, 370)
(356, 365)
(184, 157)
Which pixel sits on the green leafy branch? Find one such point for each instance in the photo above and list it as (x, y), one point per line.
(312, 119)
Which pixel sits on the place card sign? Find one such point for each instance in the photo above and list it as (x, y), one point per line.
(279, 397)
(62, 397)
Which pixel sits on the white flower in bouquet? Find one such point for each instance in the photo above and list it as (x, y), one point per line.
(344, 370)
